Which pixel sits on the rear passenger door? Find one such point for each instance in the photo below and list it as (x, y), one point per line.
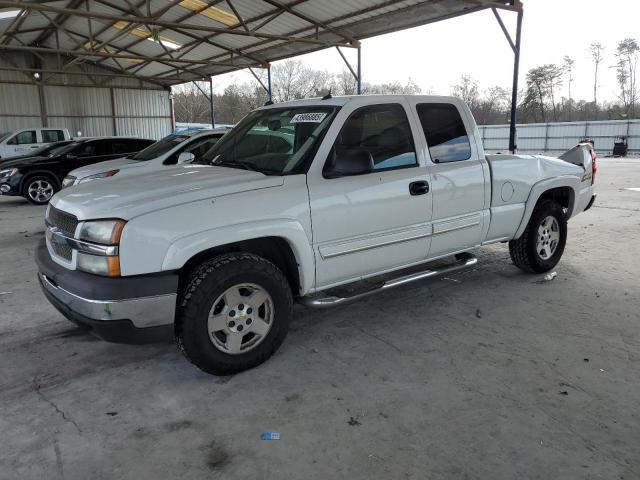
(457, 177)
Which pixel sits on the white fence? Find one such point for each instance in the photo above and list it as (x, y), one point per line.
(560, 137)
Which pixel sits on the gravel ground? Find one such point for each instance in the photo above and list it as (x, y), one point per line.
(488, 373)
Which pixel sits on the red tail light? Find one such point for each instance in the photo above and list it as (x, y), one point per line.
(594, 166)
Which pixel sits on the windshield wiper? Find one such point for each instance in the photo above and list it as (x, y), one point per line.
(236, 164)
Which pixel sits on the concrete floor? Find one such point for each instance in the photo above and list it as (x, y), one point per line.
(488, 374)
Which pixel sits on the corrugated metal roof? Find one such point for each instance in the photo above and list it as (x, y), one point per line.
(174, 41)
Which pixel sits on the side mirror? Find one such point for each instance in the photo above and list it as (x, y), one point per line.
(186, 157)
(349, 162)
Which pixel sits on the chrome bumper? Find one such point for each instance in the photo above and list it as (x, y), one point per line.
(143, 312)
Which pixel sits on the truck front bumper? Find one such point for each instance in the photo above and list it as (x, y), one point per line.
(138, 309)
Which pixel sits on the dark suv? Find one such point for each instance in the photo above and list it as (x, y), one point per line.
(39, 177)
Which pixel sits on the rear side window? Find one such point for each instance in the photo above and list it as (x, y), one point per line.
(382, 131)
(444, 131)
(50, 136)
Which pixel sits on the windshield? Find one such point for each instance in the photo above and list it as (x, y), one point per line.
(4, 135)
(160, 147)
(273, 141)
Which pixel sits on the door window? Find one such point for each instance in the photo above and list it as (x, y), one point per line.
(25, 137)
(50, 136)
(381, 131)
(199, 148)
(444, 131)
(95, 148)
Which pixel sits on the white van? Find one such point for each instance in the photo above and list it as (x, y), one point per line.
(20, 142)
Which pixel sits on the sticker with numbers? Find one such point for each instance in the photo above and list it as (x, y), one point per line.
(270, 436)
(311, 117)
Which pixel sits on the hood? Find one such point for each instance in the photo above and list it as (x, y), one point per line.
(18, 162)
(102, 167)
(130, 196)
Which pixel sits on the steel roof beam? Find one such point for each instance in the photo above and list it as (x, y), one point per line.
(169, 25)
(87, 53)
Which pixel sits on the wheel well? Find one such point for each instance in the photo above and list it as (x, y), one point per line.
(564, 196)
(30, 175)
(275, 249)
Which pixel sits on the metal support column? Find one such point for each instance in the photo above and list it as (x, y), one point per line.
(514, 91)
(359, 70)
(114, 121)
(269, 83)
(357, 73)
(213, 115)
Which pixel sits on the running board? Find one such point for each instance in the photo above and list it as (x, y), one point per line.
(463, 261)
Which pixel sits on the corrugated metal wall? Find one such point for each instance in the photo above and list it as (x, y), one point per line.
(124, 107)
(560, 137)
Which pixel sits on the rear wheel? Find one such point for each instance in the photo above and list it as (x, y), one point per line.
(542, 244)
(234, 313)
(39, 189)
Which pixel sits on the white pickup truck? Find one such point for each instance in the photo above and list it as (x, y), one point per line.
(321, 201)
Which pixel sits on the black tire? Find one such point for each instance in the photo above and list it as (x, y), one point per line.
(204, 286)
(32, 181)
(523, 251)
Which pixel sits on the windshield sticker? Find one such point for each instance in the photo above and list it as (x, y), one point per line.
(310, 117)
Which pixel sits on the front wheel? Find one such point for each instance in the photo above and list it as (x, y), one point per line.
(38, 190)
(541, 245)
(234, 313)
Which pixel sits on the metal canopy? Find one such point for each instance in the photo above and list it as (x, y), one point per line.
(175, 41)
(167, 42)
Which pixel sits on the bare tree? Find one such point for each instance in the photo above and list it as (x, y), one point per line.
(344, 83)
(568, 64)
(597, 54)
(190, 105)
(467, 90)
(627, 55)
(393, 88)
(292, 79)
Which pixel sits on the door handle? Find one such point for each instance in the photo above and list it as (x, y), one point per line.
(419, 188)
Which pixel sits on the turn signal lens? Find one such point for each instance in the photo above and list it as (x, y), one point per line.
(99, 265)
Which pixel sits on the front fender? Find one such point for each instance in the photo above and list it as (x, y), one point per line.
(185, 248)
(539, 188)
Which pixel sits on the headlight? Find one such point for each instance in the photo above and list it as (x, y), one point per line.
(68, 181)
(9, 172)
(110, 173)
(105, 232)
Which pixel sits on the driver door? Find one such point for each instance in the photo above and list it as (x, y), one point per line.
(364, 224)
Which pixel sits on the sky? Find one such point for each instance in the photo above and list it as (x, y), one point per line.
(435, 56)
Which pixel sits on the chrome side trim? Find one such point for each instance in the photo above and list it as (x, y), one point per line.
(453, 224)
(393, 238)
(465, 261)
(142, 311)
(56, 235)
(459, 227)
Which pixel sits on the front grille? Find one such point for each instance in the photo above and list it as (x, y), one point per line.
(64, 221)
(62, 250)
